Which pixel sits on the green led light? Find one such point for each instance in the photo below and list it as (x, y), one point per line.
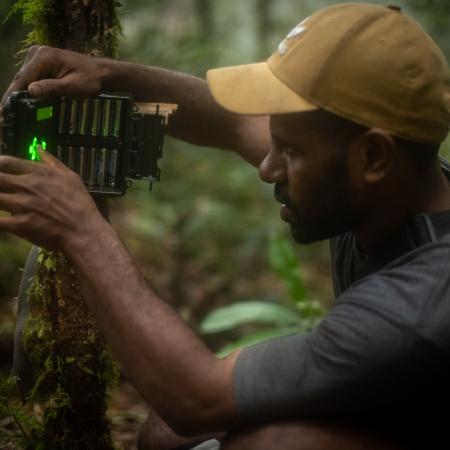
(33, 149)
(44, 113)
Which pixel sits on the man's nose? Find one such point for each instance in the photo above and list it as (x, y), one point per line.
(272, 168)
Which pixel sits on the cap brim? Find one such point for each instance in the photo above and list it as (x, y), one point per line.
(254, 89)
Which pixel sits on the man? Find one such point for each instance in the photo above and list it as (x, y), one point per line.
(345, 119)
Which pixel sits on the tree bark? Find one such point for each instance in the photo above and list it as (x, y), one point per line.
(71, 365)
(85, 26)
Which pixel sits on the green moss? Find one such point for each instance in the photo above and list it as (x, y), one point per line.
(72, 367)
(45, 17)
(17, 421)
(36, 14)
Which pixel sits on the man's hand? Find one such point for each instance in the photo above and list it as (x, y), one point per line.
(52, 72)
(48, 203)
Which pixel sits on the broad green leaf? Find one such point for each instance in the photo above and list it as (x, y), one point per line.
(256, 338)
(281, 254)
(284, 262)
(229, 317)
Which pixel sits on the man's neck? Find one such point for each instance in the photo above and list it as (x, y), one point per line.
(412, 198)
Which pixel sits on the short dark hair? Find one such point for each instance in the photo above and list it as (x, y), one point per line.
(421, 155)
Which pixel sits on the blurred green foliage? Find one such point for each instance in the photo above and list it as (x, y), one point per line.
(201, 236)
(294, 312)
(17, 418)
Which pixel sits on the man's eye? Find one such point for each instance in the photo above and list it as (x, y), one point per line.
(288, 151)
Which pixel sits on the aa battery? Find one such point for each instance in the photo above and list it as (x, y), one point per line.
(101, 166)
(71, 158)
(62, 116)
(73, 121)
(117, 116)
(112, 168)
(84, 120)
(91, 170)
(60, 153)
(106, 117)
(96, 117)
(82, 163)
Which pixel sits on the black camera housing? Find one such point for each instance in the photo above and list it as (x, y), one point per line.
(105, 139)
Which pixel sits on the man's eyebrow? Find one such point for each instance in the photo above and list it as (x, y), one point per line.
(277, 137)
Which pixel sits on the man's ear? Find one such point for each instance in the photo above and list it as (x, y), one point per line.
(377, 153)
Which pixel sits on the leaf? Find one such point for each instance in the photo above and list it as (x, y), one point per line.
(281, 255)
(284, 262)
(310, 309)
(50, 263)
(256, 338)
(229, 317)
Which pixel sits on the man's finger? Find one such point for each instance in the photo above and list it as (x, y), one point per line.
(11, 183)
(50, 88)
(9, 203)
(15, 166)
(8, 224)
(48, 158)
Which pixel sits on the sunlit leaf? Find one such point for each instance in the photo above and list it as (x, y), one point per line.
(284, 262)
(230, 317)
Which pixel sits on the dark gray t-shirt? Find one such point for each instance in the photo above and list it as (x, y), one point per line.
(381, 355)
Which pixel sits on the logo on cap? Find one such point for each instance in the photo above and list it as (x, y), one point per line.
(299, 29)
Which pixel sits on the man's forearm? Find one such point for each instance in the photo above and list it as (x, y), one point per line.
(186, 384)
(50, 72)
(200, 119)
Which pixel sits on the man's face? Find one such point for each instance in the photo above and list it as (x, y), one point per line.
(308, 164)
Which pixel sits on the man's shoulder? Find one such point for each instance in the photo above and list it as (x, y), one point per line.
(422, 236)
(413, 291)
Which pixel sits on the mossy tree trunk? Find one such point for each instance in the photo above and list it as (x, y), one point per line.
(72, 367)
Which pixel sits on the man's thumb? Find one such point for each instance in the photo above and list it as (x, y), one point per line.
(47, 88)
(35, 90)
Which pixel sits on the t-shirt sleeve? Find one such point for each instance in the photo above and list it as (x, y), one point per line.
(368, 354)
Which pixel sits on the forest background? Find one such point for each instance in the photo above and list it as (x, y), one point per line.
(209, 233)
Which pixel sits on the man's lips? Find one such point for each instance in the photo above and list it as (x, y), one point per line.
(282, 199)
(280, 194)
(286, 212)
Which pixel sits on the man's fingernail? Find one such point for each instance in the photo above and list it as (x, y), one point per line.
(34, 90)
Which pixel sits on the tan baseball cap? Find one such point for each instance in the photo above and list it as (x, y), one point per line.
(371, 64)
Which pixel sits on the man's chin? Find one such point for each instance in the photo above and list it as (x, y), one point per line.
(308, 234)
(304, 237)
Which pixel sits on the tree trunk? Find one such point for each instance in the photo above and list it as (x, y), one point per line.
(265, 26)
(85, 26)
(71, 366)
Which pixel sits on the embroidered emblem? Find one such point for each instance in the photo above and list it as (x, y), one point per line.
(299, 29)
(282, 48)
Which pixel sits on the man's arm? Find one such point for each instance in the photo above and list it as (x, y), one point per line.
(173, 370)
(188, 386)
(199, 120)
